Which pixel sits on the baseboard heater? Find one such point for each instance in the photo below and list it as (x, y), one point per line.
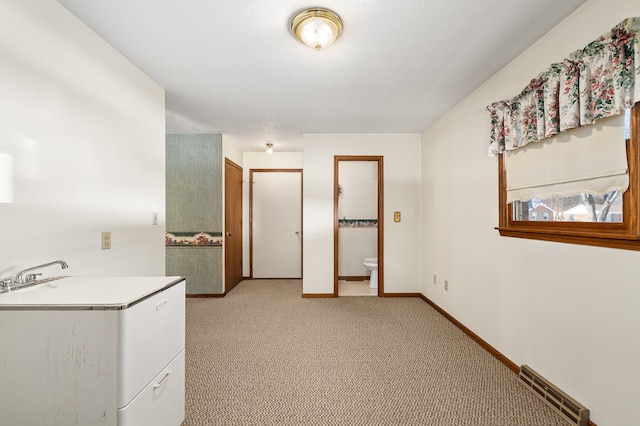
(572, 411)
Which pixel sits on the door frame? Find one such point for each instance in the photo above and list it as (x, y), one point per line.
(251, 172)
(336, 170)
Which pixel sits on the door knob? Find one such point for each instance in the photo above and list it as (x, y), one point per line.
(228, 234)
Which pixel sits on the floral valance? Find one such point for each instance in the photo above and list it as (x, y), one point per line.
(599, 81)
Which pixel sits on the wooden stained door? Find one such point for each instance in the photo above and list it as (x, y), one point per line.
(232, 225)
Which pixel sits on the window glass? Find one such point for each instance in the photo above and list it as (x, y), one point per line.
(577, 208)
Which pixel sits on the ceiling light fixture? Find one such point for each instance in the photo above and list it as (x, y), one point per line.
(316, 27)
(269, 148)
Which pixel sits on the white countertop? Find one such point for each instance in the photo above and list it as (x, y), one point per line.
(86, 293)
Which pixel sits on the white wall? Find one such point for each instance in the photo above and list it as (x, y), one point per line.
(85, 131)
(570, 312)
(354, 245)
(231, 151)
(260, 160)
(359, 183)
(401, 193)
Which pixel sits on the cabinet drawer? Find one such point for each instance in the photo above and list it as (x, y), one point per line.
(151, 335)
(161, 403)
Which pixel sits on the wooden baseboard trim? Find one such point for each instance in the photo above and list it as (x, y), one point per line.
(328, 295)
(205, 295)
(401, 295)
(317, 295)
(493, 351)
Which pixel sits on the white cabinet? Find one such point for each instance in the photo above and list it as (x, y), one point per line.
(151, 359)
(80, 362)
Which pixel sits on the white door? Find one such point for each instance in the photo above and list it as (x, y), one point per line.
(276, 224)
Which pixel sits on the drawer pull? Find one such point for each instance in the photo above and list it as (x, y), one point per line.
(163, 381)
(160, 306)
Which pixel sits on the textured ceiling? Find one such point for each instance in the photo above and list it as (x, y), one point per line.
(232, 66)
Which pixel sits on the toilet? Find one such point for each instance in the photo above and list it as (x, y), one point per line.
(371, 263)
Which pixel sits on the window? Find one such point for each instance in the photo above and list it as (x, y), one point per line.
(590, 87)
(610, 220)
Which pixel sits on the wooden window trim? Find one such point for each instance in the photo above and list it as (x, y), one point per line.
(625, 235)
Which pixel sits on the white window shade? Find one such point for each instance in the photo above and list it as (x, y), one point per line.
(590, 159)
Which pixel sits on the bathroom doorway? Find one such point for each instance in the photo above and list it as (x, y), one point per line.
(358, 224)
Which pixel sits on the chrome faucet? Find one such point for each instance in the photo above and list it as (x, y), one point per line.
(21, 278)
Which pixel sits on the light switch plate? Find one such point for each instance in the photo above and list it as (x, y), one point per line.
(106, 240)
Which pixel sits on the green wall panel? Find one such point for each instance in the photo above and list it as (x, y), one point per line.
(194, 167)
(194, 183)
(202, 268)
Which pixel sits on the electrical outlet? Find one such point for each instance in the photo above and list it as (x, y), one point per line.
(106, 240)
(434, 279)
(446, 285)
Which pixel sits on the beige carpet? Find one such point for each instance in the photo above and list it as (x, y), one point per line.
(263, 355)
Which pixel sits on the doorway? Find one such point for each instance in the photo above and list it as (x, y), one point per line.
(363, 198)
(232, 224)
(275, 229)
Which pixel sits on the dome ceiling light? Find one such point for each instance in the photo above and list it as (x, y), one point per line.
(316, 27)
